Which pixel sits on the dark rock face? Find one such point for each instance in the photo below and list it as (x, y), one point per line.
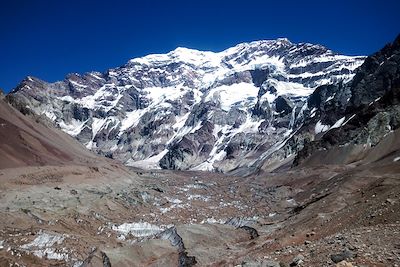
(190, 109)
(252, 232)
(380, 71)
(176, 240)
(344, 255)
(283, 105)
(262, 110)
(185, 260)
(106, 260)
(371, 110)
(297, 261)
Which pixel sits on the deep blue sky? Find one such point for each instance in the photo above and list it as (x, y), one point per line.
(49, 39)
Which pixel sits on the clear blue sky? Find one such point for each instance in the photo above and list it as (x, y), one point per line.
(49, 39)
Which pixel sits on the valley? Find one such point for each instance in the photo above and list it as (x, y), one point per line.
(268, 153)
(221, 220)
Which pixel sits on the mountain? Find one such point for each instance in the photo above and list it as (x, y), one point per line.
(337, 205)
(25, 141)
(189, 109)
(370, 114)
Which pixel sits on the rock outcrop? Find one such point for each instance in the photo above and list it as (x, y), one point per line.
(360, 113)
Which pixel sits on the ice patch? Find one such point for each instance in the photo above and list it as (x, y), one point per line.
(176, 203)
(73, 128)
(45, 240)
(290, 88)
(330, 98)
(50, 115)
(213, 221)
(349, 119)
(320, 128)
(198, 197)
(141, 229)
(338, 124)
(396, 159)
(97, 126)
(41, 246)
(263, 61)
(51, 254)
(77, 84)
(174, 200)
(313, 112)
(95, 76)
(173, 206)
(67, 98)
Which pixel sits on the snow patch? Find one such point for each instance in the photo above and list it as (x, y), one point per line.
(45, 240)
(330, 98)
(320, 128)
(198, 197)
(313, 112)
(349, 119)
(77, 84)
(212, 220)
(51, 254)
(41, 246)
(151, 163)
(131, 119)
(231, 95)
(73, 128)
(339, 123)
(141, 229)
(105, 98)
(160, 94)
(284, 88)
(176, 203)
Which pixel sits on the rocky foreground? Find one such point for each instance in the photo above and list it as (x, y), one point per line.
(108, 216)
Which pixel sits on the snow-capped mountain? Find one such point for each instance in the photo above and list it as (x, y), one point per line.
(190, 109)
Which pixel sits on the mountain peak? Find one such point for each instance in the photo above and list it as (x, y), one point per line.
(278, 41)
(274, 47)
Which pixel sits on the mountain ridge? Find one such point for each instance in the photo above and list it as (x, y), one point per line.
(154, 110)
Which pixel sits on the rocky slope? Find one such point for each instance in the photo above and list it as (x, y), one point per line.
(25, 141)
(370, 112)
(190, 109)
(304, 217)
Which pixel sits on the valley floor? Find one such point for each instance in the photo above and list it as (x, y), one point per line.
(106, 215)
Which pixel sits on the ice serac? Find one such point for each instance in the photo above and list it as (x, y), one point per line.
(190, 109)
